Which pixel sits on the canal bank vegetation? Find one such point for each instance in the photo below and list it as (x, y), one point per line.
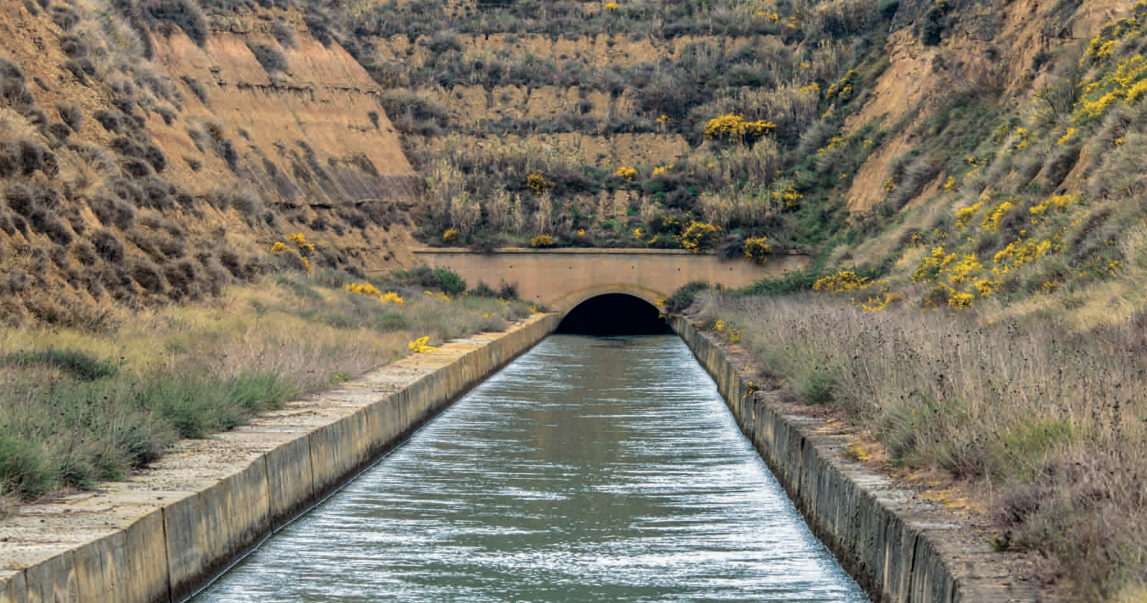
(1045, 422)
(80, 406)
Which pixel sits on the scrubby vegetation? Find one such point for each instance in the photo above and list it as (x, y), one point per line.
(1043, 422)
(81, 407)
(739, 96)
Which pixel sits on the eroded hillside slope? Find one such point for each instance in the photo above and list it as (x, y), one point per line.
(146, 161)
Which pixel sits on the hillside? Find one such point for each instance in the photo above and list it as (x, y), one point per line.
(144, 163)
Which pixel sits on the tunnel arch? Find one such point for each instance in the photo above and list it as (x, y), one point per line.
(574, 298)
(614, 313)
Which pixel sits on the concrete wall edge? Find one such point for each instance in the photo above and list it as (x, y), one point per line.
(897, 547)
(170, 552)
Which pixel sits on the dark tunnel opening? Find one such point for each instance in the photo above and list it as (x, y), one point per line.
(614, 314)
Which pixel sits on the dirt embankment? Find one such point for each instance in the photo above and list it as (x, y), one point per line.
(139, 180)
(997, 55)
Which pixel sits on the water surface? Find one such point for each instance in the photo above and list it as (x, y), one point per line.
(590, 469)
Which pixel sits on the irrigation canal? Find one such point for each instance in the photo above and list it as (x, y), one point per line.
(590, 469)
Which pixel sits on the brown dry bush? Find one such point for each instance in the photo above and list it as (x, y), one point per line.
(148, 275)
(108, 246)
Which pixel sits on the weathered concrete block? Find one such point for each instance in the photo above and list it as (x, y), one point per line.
(12, 588)
(290, 481)
(53, 580)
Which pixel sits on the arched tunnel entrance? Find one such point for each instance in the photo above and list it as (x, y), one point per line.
(614, 314)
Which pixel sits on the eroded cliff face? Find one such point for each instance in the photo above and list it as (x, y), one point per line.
(312, 134)
(988, 48)
(129, 180)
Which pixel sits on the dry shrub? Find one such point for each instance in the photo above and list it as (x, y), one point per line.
(112, 121)
(108, 246)
(186, 14)
(916, 177)
(147, 274)
(183, 276)
(111, 211)
(13, 86)
(268, 57)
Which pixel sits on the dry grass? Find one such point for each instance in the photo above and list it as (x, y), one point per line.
(1047, 422)
(193, 369)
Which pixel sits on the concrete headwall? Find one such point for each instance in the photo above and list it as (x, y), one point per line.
(149, 539)
(563, 278)
(897, 546)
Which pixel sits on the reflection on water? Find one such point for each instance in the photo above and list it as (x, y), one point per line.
(588, 470)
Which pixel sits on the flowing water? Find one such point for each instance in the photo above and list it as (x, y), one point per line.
(590, 469)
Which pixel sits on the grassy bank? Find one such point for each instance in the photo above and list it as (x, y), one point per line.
(83, 406)
(1046, 423)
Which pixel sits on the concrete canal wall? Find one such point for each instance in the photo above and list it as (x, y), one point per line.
(896, 545)
(159, 536)
(162, 535)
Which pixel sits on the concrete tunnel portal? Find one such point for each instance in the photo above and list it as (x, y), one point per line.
(614, 314)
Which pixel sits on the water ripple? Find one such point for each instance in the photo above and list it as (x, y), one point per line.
(588, 470)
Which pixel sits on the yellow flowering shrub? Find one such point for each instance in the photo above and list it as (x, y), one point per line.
(757, 250)
(788, 196)
(392, 297)
(961, 301)
(876, 304)
(450, 236)
(538, 183)
(300, 249)
(965, 215)
(986, 287)
(991, 222)
(372, 291)
(832, 145)
(1114, 82)
(1100, 48)
(542, 240)
(1067, 135)
(1018, 253)
(843, 88)
(842, 282)
(959, 271)
(363, 289)
(734, 128)
(626, 172)
(1056, 203)
(419, 346)
(300, 241)
(699, 236)
(932, 264)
